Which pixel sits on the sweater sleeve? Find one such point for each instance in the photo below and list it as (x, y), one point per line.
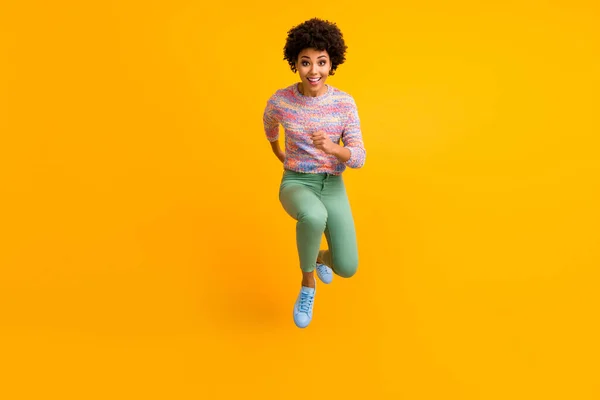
(271, 121)
(352, 138)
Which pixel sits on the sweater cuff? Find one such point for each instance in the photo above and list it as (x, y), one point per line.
(357, 157)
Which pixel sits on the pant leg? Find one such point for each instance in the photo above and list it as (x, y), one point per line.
(340, 233)
(301, 202)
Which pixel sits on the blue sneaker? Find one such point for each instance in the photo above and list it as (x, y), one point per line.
(324, 273)
(303, 309)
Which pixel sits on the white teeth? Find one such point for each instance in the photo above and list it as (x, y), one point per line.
(314, 79)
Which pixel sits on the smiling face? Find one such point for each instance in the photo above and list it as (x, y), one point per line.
(313, 66)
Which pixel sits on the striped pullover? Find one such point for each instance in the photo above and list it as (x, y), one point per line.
(334, 112)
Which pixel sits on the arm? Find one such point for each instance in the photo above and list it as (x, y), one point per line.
(353, 141)
(271, 125)
(341, 153)
(277, 150)
(322, 141)
(353, 152)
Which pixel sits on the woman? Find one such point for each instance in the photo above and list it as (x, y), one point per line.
(316, 117)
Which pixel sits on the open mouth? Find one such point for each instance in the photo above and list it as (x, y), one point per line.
(314, 80)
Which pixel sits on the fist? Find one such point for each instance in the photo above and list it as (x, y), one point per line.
(322, 141)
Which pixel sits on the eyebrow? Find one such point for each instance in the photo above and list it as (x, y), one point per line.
(323, 56)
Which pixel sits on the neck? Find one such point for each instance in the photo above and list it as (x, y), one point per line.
(311, 94)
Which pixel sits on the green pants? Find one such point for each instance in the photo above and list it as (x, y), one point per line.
(319, 204)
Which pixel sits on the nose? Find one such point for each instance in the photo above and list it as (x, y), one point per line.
(313, 68)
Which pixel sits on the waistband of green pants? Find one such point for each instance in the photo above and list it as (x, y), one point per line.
(315, 177)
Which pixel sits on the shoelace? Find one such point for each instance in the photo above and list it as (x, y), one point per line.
(322, 269)
(305, 302)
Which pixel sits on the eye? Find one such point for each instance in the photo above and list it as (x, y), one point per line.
(322, 62)
(304, 63)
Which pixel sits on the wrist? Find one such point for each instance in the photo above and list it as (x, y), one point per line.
(336, 149)
(341, 153)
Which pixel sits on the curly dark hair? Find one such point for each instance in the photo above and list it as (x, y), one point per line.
(317, 34)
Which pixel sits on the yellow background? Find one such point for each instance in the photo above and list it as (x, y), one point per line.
(144, 253)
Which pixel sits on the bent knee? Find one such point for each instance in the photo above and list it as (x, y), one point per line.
(314, 218)
(346, 269)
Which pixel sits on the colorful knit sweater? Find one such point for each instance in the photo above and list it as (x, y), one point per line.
(334, 112)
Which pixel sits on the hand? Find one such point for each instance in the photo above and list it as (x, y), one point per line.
(322, 141)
